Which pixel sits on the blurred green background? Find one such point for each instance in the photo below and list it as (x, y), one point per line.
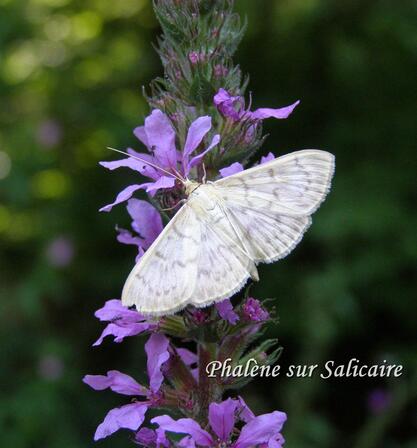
(70, 78)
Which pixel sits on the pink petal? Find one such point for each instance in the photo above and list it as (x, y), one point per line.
(184, 426)
(161, 183)
(140, 133)
(122, 331)
(147, 221)
(130, 416)
(245, 414)
(267, 158)
(143, 167)
(157, 352)
(129, 162)
(117, 381)
(124, 195)
(187, 356)
(126, 237)
(225, 103)
(221, 96)
(222, 418)
(161, 138)
(114, 310)
(261, 429)
(265, 112)
(196, 132)
(197, 159)
(231, 169)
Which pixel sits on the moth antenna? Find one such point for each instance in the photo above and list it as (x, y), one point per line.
(182, 201)
(177, 175)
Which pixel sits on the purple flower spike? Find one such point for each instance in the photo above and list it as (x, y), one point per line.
(225, 309)
(123, 322)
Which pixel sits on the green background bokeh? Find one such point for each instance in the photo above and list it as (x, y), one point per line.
(71, 73)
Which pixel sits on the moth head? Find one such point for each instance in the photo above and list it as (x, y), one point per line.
(190, 186)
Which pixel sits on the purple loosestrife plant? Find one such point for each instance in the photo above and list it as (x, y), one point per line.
(198, 127)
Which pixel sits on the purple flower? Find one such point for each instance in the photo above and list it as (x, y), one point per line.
(158, 136)
(264, 429)
(252, 310)
(151, 439)
(220, 71)
(60, 252)
(147, 223)
(194, 57)
(123, 322)
(131, 416)
(238, 167)
(234, 107)
(226, 312)
(49, 133)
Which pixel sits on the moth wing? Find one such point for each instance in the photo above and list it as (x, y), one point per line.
(295, 183)
(163, 279)
(223, 266)
(270, 205)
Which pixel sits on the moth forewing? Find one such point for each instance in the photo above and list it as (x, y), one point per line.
(164, 277)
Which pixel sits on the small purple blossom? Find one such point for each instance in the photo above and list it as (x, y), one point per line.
(263, 429)
(194, 57)
(220, 71)
(131, 416)
(60, 252)
(158, 135)
(123, 322)
(234, 107)
(252, 310)
(226, 312)
(151, 439)
(237, 167)
(199, 316)
(146, 222)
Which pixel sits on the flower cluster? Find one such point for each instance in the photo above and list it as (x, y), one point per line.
(199, 128)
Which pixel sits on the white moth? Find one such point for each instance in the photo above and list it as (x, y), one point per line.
(212, 245)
